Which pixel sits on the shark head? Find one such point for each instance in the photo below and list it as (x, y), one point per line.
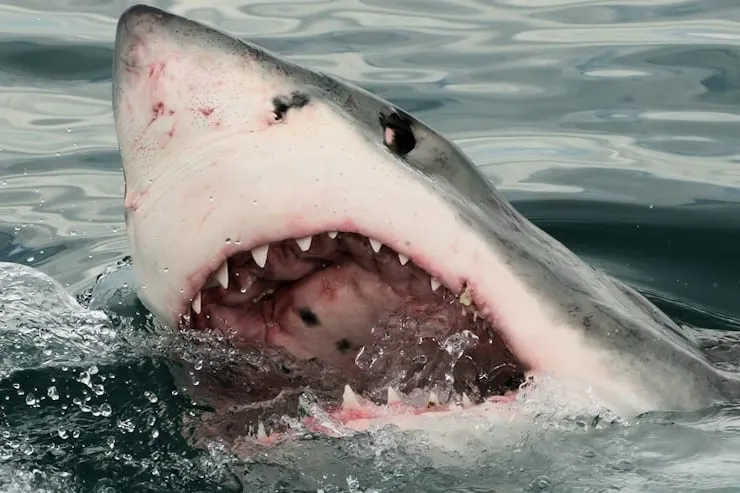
(281, 206)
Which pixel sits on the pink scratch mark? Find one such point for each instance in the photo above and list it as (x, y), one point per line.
(157, 111)
(133, 200)
(206, 111)
(156, 70)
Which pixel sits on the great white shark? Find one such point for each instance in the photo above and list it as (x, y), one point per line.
(280, 206)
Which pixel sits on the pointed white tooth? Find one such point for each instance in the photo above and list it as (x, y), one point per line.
(349, 399)
(433, 398)
(403, 259)
(261, 433)
(332, 234)
(375, 245)
(466, 400)
(196, 303)
(260, 254)
(304, 243)
(475, 316)
(435, 284)
(393, 397)
(222, 275)
(465, 297)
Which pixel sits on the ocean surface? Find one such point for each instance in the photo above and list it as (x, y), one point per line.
(612, 124)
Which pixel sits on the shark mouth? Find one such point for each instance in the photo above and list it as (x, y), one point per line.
(368, 315)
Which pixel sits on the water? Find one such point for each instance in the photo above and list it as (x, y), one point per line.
(611, 124)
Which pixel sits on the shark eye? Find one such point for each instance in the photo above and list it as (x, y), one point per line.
(397, 133)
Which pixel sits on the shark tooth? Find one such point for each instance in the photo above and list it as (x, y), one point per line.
(466, 400)
(465, 297)
(433, 399)
(434, 283)
(350, 399)
(261, 433)
(196, 303)
(259, 254)
(304, 243)
(222, 275)
(393, 397)
(375, 245)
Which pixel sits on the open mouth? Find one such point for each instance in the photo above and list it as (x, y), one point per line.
(357, 306)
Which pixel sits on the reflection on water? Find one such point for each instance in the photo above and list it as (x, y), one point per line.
(613, 124)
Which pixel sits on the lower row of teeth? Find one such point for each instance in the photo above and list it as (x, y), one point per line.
(351, 402)
(259, 254)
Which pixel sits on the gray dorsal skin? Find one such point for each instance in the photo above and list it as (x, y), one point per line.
(202, 156)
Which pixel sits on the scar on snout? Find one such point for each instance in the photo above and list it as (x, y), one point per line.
(309, 317)
(343, 345)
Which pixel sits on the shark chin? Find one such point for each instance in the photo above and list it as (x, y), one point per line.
(322, 229)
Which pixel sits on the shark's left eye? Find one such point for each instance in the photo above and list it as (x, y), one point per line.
(397, 133)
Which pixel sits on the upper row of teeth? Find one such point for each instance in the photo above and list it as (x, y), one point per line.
(259, 254)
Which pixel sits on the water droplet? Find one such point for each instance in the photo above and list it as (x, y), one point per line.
(199, 364)
(151, 396)
(624, 465)
(26, 448)
(126, 425)
(105, 410)
(541, 483)
(31, 400)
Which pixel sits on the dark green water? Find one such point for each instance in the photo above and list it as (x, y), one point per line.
(613, 125)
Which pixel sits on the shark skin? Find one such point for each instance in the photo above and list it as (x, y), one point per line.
(230, 152)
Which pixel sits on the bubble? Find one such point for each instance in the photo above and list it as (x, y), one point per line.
(541, 483)
(52, 393)
(126, 425)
